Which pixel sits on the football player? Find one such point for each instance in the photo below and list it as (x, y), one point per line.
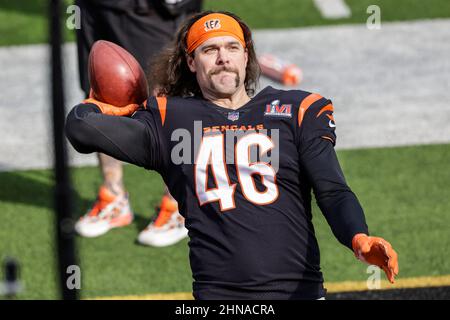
(241, 167)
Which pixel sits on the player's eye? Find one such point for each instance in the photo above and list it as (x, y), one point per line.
(209, 50)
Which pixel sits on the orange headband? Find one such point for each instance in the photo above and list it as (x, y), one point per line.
(213, 25)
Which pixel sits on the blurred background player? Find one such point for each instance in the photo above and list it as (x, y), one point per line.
(143, 28)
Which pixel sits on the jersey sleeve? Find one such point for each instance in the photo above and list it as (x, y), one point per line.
(134, 140)
(316, 120)
(320, 164)
(156, 156)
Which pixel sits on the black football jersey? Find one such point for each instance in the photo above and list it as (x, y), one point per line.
(243, 180)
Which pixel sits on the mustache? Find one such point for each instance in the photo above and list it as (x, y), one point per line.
(220, 69)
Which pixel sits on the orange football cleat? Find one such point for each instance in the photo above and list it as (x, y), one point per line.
(168, 227)
(108, 211)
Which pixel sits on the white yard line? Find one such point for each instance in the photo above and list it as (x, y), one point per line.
(390, 87)
(333, 9)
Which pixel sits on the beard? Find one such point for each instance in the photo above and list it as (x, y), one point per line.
(226, 69)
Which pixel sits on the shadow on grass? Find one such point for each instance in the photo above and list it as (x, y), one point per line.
(35, 189)
(34, 7)
(141, 221)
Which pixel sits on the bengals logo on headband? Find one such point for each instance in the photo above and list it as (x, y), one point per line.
(212, 24)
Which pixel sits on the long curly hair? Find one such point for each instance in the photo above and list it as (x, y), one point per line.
(169, 72)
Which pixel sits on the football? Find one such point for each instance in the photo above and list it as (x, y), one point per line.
(115, 75)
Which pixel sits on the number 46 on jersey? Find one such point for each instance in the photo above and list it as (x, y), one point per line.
(212, 153)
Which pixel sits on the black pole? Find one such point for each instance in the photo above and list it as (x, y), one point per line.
(62, 192)
(11, 285)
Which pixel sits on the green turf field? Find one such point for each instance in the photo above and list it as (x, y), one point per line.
(403, 190)
(24, 21)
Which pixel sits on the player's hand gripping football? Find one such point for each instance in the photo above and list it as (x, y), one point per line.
(377, 251)
(110, 109)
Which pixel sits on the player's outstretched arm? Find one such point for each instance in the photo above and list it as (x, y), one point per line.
(338, 203)
(377, 251)
(334, 197)
(91, 127)
(345, 215)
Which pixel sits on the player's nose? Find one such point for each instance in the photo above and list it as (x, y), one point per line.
(222, 56)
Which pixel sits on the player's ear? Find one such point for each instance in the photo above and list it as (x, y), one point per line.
(190, 63)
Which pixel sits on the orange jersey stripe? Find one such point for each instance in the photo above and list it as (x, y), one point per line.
(305, 104)
(330, 116)
(328, 107)
(162, 104)
(328, 138)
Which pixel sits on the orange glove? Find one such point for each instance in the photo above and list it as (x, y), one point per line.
(110, 109)
(377, 251)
